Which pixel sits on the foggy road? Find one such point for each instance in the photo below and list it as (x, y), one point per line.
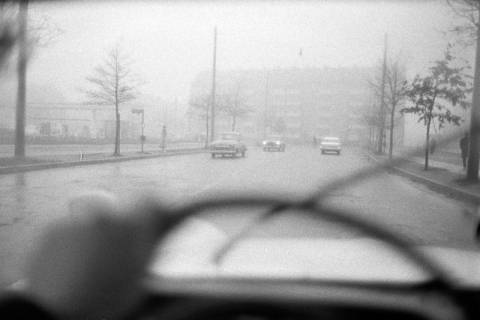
(30, 200)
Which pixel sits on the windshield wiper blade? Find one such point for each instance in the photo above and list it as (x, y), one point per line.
(363, 174)
(317, 197)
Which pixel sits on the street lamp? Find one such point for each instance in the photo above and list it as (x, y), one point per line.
(142, 137)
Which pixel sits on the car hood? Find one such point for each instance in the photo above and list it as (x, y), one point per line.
(352, 259)
(330, 143)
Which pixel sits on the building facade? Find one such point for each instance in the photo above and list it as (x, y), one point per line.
(295, 103)
(74, 121)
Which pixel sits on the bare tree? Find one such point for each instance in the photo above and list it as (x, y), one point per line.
(8, 31)
(112, 84)
(467, 10)
(371, 117)
(395, 87)
(200, 107)
(15, 27)
(396, 93)
(234, 104)
(40, 31)
(376, 118)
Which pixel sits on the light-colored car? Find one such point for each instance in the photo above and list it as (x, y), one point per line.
(229, 143)
(273, 143)
(331, 144)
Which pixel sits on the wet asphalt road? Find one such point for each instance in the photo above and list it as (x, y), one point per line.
(28, 201)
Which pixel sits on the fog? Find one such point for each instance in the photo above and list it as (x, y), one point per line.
(294, 112)
(170, 43)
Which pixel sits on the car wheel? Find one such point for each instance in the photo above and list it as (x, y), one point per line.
(213, 155)
(243, 154)
(338, 153)
(323, 152)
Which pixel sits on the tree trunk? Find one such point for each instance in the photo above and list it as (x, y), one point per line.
(234, 122)
(392, 126)
(427, 143)
(22, 80)
(473, 159)
(381, 132)
(117, 131)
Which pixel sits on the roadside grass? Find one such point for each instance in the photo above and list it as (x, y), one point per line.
(14, 161)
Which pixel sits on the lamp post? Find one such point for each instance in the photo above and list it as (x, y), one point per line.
(214, 70)
(142, 137)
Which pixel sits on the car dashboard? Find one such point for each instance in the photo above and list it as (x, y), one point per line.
(241, 298)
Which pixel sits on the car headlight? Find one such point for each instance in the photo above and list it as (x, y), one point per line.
(264, 142)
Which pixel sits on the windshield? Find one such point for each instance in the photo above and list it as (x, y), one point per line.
(330, 139)
(89, 85)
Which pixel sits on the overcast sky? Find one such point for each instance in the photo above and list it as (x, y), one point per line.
(170, 43)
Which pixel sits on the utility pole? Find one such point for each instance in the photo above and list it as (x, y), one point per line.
(265, 119)
(472, 165)
(212, 112)
(22, 81)
(381, 133)
(165, 113)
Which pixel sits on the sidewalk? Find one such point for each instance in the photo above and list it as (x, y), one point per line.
(445, 177)
(43, 161)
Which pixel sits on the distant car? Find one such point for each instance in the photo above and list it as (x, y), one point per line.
(273, 144)
(230, 143)
(330, 144)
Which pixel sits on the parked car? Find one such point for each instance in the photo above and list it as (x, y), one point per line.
(229, 143)
(331, 144)
(273, 143)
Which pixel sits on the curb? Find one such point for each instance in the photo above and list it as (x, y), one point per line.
(438, 186)
(67, 164)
